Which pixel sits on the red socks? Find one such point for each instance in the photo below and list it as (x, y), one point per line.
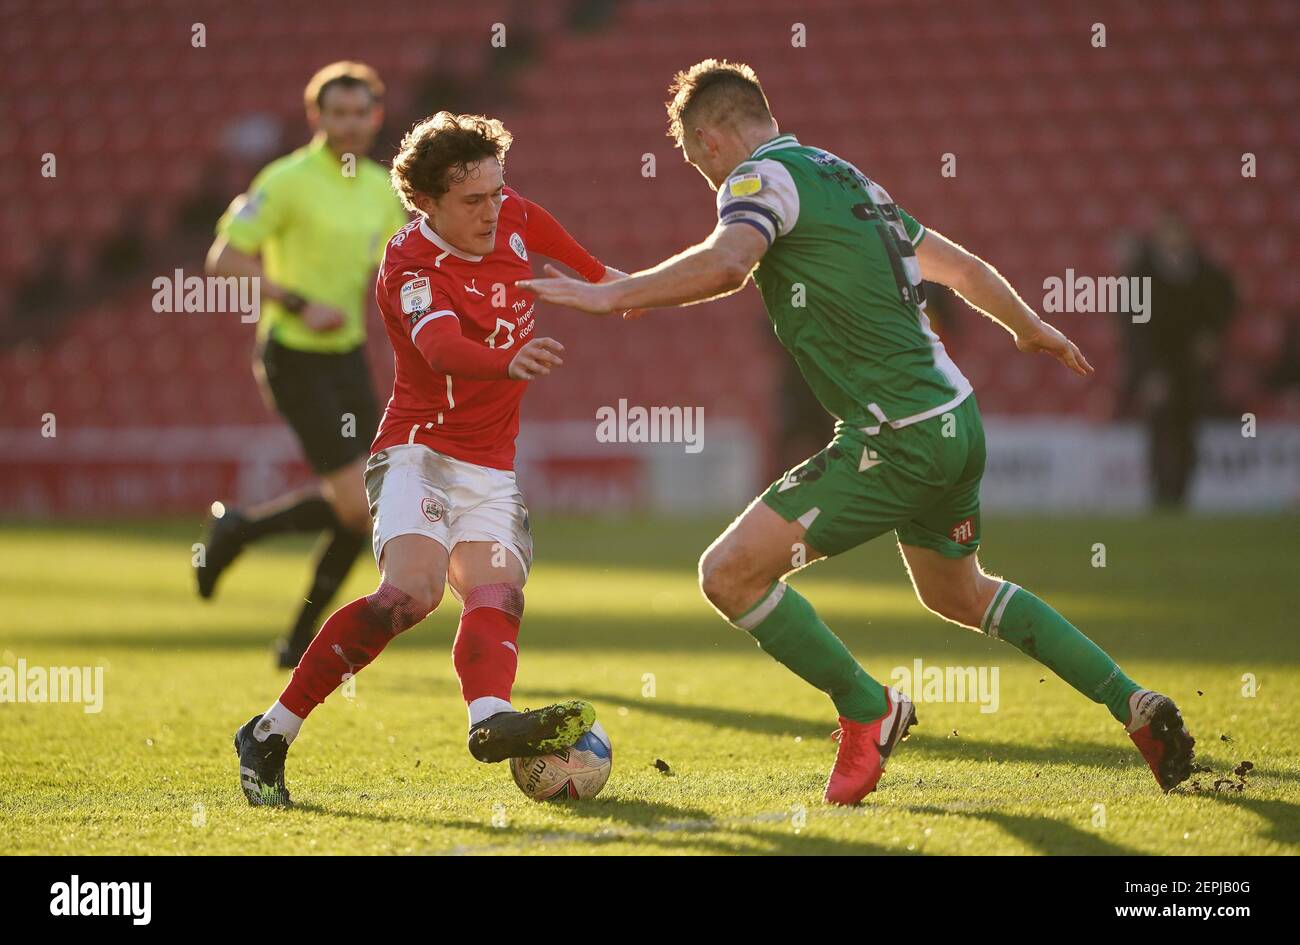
(350, 639)
(486, 652)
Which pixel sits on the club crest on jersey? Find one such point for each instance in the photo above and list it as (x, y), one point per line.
(417, 295)
(431, 509)
(742, 185)
(517, 244)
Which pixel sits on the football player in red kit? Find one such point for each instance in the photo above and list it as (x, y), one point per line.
(440, 479)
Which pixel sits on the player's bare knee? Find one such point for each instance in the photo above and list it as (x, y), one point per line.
(406, 599)
(730, 582)
(429, 595)
(717, 576)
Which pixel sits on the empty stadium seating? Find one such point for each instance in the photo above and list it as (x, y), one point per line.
(1060, 147)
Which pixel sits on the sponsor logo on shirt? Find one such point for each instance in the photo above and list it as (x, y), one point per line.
(742, 185)
(417, 295)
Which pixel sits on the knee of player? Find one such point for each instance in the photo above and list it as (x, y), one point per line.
(430, 596)
(712, 575)
(505, 596)
(402, 605)
(723, 579)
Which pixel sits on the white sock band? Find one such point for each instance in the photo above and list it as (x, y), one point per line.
(485, 707)
(278, 721)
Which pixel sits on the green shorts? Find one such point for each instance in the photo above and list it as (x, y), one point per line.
(922, 481)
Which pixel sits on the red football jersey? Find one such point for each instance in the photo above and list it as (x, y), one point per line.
(426, 287)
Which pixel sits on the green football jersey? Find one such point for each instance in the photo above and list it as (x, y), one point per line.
(842, 286)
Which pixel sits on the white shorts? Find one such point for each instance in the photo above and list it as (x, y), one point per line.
(414, 490)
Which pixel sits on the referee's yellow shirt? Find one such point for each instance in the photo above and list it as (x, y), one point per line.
(320, 232)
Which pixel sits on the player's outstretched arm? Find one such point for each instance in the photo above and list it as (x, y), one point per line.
(436, 335)
(716, 267)
(984, 288)
(548, 237)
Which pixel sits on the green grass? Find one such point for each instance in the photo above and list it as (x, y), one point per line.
(1186, 605)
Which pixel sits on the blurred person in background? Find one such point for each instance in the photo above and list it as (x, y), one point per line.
(312, 227)
(1284, 375)
(1172, 358)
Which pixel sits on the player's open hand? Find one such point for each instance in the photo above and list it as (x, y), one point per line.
(595, 298)
(319, 317)
(615, 275)
(536, 359)
(1051, 341)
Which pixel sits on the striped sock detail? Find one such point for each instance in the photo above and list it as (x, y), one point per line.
(997, 606)
(760, 611)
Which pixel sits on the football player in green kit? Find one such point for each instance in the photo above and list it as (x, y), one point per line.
(839, 267)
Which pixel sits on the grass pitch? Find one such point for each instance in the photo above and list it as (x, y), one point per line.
(1194, 607)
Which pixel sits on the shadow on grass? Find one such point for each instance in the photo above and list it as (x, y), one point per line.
(677, 828)
(938, 746)
(1282, 817)
(1043, 834)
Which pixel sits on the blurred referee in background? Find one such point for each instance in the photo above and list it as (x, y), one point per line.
(313, 226)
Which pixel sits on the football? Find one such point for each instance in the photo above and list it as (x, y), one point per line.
(577, 773)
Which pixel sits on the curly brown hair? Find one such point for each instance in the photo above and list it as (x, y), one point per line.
(718, 91)
(438, 152)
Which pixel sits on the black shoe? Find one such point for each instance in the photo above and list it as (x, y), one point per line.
(1156, 727)
(223, 541)
(288, 654)
(261, 766)
(525, 734)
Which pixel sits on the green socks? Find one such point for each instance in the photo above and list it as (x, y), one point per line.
(1038, 631)
(789, 630)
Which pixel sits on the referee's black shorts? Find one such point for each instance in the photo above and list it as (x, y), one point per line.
(328, 400)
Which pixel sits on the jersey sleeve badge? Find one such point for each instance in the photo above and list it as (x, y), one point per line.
(742, 185)
(417, 295)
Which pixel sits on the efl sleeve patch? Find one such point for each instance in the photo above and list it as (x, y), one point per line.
(417, 295)
(742, 185)
(766, 198)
